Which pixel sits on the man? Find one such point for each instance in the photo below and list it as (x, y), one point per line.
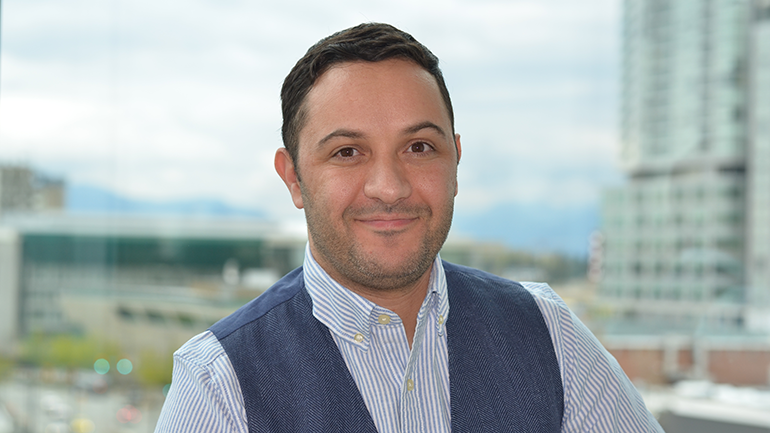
(361, 337)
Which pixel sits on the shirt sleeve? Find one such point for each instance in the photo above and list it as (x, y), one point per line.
(598, 396)
(205, 395)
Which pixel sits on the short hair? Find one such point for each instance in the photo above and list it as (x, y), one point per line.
(369, 42)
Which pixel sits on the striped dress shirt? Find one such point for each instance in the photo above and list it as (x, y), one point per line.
(406, 390)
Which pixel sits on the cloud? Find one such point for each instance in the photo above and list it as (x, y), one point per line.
(172, 99)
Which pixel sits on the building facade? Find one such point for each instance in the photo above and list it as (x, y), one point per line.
(687, 238)
(758, 182)
(23, 189)
(49, 261)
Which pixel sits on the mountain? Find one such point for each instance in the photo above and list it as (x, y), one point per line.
(91, 199)
(537, 227)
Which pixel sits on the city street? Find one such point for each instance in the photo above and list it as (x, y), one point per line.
(55, 408)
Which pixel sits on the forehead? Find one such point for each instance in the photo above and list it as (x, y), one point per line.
(373, 73)
(373, 95)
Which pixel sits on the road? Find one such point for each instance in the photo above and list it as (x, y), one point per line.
(58, 408)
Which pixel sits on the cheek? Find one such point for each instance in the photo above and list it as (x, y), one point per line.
(437, 186)
(337, 192)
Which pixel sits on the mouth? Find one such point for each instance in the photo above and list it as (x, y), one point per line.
(387, 223)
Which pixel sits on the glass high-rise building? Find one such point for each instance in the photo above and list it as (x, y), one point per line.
(758, 173)
(688, 235)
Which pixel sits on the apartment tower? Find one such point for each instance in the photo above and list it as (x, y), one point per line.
(687, 237)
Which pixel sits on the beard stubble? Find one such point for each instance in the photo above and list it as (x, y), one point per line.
(348, 257)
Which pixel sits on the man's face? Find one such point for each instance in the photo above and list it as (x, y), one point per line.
(378, 165)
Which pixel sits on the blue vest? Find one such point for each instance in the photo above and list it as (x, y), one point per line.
(503, 372)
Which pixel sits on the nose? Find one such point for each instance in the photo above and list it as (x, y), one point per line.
(387, 181)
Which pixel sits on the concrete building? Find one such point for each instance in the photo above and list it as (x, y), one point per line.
(687, 238)
(758, 174)
(22, 189)
(9, 289)
(49, 261)
(16, 188)
(659, 359)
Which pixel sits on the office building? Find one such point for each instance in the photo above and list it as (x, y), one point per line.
(140, 268)
(687, 238)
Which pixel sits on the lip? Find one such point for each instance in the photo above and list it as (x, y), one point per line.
(387, 223)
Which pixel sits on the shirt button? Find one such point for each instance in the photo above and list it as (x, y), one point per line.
(440, 320)
(409, 385)
(358, 337)
(384, 319)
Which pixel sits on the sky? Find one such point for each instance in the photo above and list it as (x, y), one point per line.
(168, 100)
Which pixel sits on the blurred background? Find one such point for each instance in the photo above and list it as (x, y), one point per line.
(619, 150)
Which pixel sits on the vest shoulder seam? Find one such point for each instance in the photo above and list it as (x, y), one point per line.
(281, 292)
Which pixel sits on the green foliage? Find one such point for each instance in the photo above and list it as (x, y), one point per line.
(557, 268)
(6, 367)
(75, 351)
(66, 351)
(560, 268)
(154, 369)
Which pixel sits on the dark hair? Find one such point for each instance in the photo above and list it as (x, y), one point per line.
(370, 42)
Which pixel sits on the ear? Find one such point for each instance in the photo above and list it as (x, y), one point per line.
(285, 168)
(459, 148)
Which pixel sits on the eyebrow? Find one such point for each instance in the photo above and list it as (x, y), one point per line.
(425, 125)
(349, 133)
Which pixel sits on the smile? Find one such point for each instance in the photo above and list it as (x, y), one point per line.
(387, 223)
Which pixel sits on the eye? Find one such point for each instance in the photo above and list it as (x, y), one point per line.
(347, 152)
(420, 147)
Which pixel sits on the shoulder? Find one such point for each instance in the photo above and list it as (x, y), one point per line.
(551, 305)
(544, 296)
(494, 289)
(204, 394)
(477, 280)
(503, 295)
(598, 394)
(204, 360)
(202, 350)
(460, 271)
(284, 290)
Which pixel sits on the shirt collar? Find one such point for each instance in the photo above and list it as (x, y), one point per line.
(346, 313)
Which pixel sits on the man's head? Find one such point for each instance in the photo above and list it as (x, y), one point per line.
(375, 143)
(369, 42)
